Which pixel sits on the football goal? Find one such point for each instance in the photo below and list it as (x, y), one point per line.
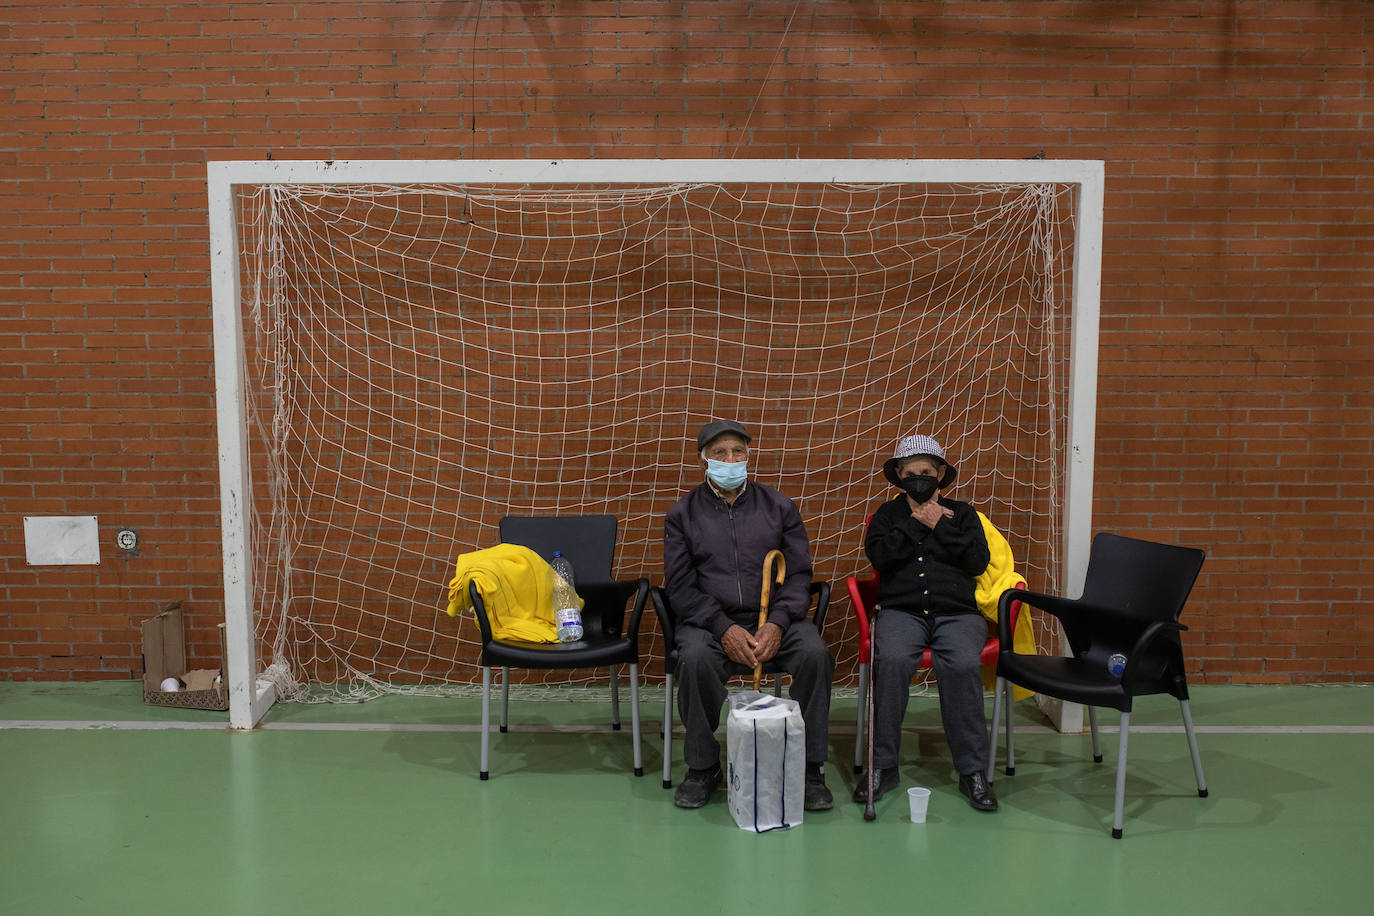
(407, 351)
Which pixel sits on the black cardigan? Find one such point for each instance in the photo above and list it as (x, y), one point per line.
(926, 571)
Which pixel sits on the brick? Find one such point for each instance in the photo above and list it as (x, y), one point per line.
(1233, 399)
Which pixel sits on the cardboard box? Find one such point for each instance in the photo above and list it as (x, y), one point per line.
(164, 656)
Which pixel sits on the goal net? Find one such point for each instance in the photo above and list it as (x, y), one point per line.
(421, 358)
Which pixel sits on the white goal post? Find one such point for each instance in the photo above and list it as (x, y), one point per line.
(250, 695)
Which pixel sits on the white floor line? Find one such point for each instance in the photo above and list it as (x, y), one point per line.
(81, 724)
(648, 727)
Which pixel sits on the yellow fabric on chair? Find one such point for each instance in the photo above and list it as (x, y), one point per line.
(1001, 575)
(516, 586)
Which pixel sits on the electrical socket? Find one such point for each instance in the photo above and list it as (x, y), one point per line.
(126, 539)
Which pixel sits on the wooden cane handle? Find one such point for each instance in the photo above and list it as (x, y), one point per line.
(774, 565)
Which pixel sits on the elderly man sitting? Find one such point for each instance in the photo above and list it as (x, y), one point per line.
(714, 543)
(927, 550)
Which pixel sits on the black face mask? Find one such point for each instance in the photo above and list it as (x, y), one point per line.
(920, 488)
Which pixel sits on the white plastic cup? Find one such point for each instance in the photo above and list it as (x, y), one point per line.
(919, 799)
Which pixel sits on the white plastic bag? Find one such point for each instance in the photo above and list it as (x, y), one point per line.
(766, 745)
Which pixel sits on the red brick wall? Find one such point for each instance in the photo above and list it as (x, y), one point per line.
(1235, 405)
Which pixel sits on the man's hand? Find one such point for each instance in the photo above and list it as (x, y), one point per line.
(739, 645)
(929, 512)
(766, 641)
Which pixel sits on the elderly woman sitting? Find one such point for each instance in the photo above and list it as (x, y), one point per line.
(927, 550)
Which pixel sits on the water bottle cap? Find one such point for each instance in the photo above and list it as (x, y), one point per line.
(558, 553)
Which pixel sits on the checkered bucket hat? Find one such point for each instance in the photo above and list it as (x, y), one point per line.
(911, 447)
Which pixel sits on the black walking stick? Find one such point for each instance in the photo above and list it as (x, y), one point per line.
(869, 812)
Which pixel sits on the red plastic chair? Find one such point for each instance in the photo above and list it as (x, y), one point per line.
(863, 594)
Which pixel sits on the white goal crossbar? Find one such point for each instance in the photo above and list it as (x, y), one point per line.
(251, 697)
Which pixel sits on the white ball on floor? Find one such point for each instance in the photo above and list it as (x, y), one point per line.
(171, 685)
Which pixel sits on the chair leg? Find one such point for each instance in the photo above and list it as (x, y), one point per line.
(859, 718)
(1092, 727)
(668, 732)
(777, 685)
(615, 698)
(634, 716)
(505, 700)
(1011, 732)
(486, 717)
(1192, 748)
(1120, 775)
(992, 726)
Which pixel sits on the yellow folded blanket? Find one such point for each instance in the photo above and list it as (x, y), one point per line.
(516, 586)
(1001, 575)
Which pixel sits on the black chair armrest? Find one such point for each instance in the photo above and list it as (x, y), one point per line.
(479, 609)
(822, 592)
(1149, 635)
(1077, 616)
(641, 587)
(608, 600)
(663, 610)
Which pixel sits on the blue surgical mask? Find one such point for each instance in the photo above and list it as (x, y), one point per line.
(728, 475)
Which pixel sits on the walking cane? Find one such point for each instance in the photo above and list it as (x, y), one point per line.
(774, 556)
(869, 812)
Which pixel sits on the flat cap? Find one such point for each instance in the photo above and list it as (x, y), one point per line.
(718, 427)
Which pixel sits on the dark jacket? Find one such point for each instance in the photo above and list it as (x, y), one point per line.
(713, 557)
(925, 571)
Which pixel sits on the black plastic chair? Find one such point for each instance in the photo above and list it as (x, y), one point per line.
(1132, 598)
(589, 543)
(667, 624)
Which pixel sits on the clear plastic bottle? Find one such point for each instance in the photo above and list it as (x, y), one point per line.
(1116, 665)
(565, 608)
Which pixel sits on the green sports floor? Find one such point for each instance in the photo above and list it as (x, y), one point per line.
(112, 807)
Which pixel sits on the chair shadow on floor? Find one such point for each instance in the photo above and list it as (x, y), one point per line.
(1069, 790)
(535, 750)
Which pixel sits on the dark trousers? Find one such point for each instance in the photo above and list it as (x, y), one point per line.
(703, 668)
(955, 642)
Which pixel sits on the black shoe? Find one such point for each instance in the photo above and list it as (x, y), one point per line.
(697, 786)
(887, 781)
(818, 797)
(979, 791)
